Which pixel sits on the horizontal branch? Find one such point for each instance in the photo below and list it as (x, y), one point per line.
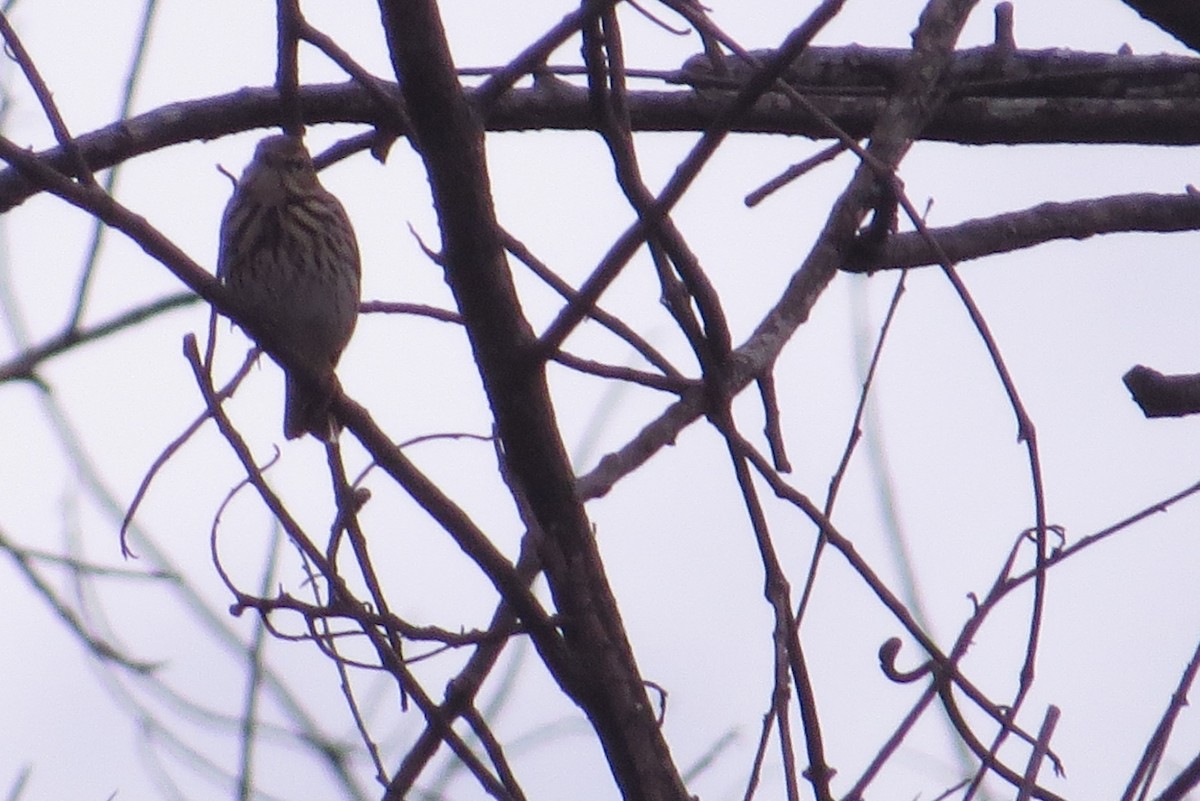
(968, 120)
(1045, 222)
(1161, 395)
(1115, 99)
(976, 72)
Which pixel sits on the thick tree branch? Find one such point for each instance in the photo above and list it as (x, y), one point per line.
(1045, 222)
(603, 677)
(979, 72)
(1086, 98)
(1160, 395)
(1181, 20)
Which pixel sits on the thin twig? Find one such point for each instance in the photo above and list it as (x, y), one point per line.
(96, 646)
(129, 89)
(348, 504)
(1038, 754)
(254, 678)
(1156, 746)
(685, 174)
(340, 592)
(795, 171)
(609, 321)
(502, 80)
(173, 447)
(46, 98)
(945, 663)
(495, 751)
(760, 753)
(24, 364)
(287, 64)
(786, 634)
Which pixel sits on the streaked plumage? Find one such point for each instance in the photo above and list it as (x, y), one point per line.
(288, 249)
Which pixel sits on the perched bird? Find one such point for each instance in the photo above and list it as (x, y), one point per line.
(289, 252)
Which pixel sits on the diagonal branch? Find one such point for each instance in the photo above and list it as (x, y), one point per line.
(449, 515)
(904, 118)
(1026, 228)
(24, 365)
(971, 239)
(601, 675)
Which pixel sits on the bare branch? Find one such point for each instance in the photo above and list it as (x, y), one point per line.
(1045, 222)
(1125, 115)
(600, 674)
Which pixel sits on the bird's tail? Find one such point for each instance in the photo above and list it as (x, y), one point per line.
(306, 410)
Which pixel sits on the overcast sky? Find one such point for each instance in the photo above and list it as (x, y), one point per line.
(1070, 318)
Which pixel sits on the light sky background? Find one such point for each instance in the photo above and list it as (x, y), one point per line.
(1121, 620)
